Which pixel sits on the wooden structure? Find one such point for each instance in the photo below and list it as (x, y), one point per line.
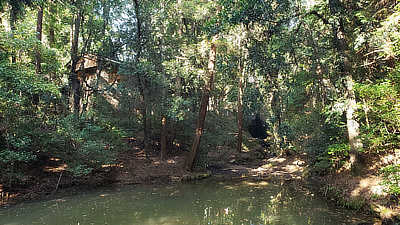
(100, 77)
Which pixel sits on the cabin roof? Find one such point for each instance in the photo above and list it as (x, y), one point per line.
(88, 62)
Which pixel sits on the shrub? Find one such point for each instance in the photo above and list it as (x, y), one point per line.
(334, 157)
(83, 143)
(391, 178)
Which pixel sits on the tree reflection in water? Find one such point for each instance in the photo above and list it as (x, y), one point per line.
(206, 202)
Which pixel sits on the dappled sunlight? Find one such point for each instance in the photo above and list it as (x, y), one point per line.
(171, 161)
(60, 168)
(369, 185)
(291, 168)
(251, 183)
(299, 162)
(383, 161)
(280, 160)
(283, 167)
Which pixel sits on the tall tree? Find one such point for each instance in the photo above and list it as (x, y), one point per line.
(75, 84)
(39, 25)
(203, 106)
(240, 108)
(341, 43)
(140, 75)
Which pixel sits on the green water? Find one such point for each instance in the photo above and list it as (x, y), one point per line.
(205, 202)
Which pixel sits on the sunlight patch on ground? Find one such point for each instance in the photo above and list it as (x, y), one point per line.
(291, 168)
(260, 169)
(299, 162)
(387, 160)
(280, 160)
(171, 161)
(262, 183)
(369, 184)
(56, 169)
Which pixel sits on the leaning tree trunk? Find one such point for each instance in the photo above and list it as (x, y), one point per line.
(203, 108)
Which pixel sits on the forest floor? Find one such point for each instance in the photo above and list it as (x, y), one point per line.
(362, 191)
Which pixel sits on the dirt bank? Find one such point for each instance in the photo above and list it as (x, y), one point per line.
(362, 191)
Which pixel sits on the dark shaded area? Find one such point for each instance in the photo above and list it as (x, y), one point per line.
(258, 128)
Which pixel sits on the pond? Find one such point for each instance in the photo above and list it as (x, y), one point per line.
(203, 202)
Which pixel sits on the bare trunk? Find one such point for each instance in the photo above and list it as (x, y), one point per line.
(13, 16)
(163, 138)
(203, 109)
(13, 19)
(141, 79)
(164, 97)
(145, 129)
(38, 56)
(352, 124)
(341, 44)
(74, 80)
(240, 110)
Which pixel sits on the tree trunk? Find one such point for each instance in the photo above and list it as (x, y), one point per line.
(352, 124)
(163, 137)
(141, 80)
(74, 79)
(164, 96)
(51, 36)
(52, 20)
(13, 18)
(178, 87)
(203, 108)
(341, 44)
(39, 22)
(145, 127)
(174, 123)
(240, 110)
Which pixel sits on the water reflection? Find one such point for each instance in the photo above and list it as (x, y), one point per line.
(206, 202)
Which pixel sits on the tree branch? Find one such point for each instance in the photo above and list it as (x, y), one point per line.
(320, 16)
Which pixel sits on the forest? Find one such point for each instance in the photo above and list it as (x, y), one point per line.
(86, 82)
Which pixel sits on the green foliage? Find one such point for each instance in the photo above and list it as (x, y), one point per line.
(381, 115)
(323, 165)
(83, 144)
(339, 153)
(334, 157)
(219, 131)
(391, 178)
(25, 100)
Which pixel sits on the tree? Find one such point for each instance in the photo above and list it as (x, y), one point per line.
(75, 84)
(39, 25)
(340, 42)
(203, 106)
